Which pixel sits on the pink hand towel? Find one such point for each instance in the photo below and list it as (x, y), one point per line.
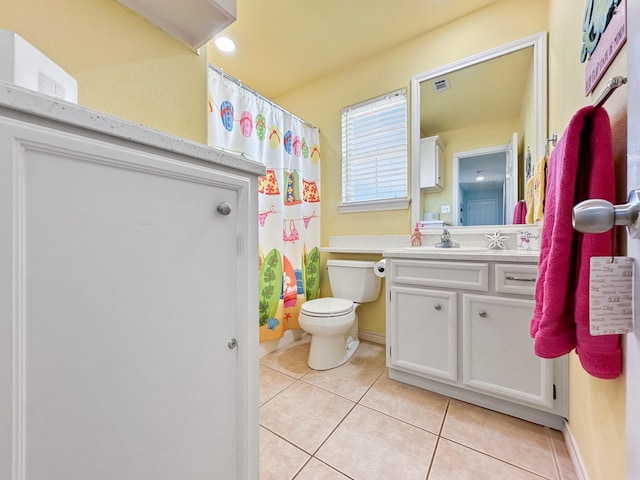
(581, 167)
(520, 213)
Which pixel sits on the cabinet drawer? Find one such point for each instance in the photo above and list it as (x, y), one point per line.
(458, 275)
(518, 279)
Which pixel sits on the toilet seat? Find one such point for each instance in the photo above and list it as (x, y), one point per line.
(327, 307)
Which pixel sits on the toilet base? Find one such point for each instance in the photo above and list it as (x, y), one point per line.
(330, 352)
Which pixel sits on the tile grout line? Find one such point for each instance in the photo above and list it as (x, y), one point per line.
(554, 452)
(347, 414)
(283, 390)
(502, 460)
(438, 437)
(341, 422)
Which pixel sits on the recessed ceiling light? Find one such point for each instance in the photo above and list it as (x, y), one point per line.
(225, 44)
(479, 179)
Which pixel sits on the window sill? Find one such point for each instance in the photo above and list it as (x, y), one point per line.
(375, 205)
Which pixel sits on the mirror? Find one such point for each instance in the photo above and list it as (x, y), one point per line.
(488, 113)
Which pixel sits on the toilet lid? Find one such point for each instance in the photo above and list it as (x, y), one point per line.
(328, 306)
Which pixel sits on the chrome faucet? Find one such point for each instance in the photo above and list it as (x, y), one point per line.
(445, 240)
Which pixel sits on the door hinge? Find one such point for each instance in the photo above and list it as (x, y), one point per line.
(555, 396)
(389, 295)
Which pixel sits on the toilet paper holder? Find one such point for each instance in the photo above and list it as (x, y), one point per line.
(380, 268)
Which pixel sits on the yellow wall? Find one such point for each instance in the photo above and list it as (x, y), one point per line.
(320, 103)
(597, 406)
(597, 418)
(124, 66)
(130, 69)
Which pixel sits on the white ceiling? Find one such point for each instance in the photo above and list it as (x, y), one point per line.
(491, 166)
(284, 44)
(486, 92)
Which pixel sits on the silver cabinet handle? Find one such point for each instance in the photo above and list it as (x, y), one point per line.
(437, 306)
(224, 208)
(520, 279)
(482, 314)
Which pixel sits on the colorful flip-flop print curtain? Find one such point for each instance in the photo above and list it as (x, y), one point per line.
(289, 196)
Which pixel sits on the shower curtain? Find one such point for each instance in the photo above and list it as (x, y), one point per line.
(244, 122)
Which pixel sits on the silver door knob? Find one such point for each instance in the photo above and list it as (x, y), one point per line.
(224, 208)
(482, 314)
(599, 216)
(437, 306)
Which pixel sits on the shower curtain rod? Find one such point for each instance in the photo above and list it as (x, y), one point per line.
(262, 97)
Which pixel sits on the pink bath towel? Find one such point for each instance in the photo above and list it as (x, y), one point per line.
(520, 213)
(581, 167)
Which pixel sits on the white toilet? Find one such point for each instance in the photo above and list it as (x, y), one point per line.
(332, 321)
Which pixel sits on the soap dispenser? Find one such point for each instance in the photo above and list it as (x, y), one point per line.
(416, 237)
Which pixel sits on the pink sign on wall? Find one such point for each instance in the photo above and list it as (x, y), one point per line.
(610, 43)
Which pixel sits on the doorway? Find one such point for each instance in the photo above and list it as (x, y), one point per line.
(491, 170)
(479, 180)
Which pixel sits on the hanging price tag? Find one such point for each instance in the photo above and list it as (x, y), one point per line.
(611, 295)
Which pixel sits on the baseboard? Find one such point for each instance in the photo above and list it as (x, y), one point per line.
(372, 337)
(574, 453)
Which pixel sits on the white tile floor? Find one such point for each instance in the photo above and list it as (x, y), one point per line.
(353, 422)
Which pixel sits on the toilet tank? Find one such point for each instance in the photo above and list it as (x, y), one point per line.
(353, 280)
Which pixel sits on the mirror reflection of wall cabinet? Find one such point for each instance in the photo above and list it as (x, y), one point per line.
(431, 164)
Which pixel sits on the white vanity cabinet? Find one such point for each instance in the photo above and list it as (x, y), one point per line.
(431, 164)
(461, 328)
(128, 332)
(425, 343)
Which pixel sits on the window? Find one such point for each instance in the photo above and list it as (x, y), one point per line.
(374, 154)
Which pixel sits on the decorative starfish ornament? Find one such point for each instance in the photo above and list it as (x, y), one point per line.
(496, 240)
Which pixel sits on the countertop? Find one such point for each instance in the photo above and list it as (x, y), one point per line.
(34, 104)
(394, 246)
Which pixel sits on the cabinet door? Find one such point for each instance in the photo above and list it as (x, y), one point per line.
(114, 362)
(498, 356)
(422, 332)
(431, 164)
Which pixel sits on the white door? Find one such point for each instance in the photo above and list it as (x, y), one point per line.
(632, 365)
(483, 212)
(117, 309)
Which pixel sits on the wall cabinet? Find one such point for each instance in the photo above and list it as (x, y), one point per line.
(127, 348)
(431, 164)
(458, 328)
(193, 22)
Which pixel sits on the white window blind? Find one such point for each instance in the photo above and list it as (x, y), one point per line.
(374, 150)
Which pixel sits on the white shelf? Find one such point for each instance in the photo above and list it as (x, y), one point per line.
(193, 22)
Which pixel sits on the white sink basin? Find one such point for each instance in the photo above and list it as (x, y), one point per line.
(431, 248)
